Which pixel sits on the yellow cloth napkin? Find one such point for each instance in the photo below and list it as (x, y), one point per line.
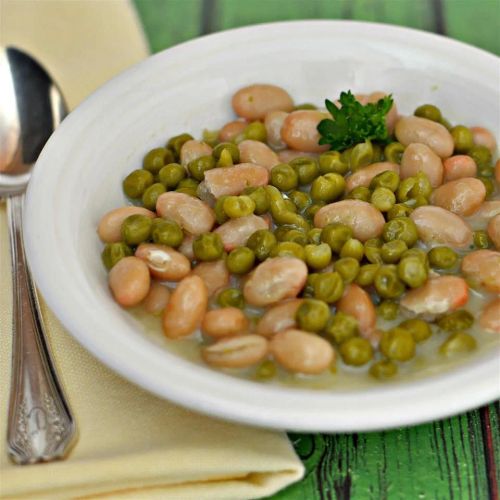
(130, 444)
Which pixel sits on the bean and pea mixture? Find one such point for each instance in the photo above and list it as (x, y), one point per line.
(302, 240)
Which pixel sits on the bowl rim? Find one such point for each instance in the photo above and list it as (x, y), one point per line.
(227, 397)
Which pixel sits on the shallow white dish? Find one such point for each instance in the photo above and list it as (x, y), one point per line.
(187, 88)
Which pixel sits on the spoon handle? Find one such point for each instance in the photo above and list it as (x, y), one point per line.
(40, 425)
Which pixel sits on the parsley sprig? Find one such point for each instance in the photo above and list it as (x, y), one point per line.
(354, 123)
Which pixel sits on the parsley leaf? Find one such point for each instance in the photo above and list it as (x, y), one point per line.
(354, 123)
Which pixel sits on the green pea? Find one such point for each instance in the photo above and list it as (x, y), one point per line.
(280, 213)
(412, 272)
(280, 232)
(360, 193)
(136, 229)
(383, 199)
(342, 327)
(397, 344)
(199, 166)
(366, 274)
(481, 239)
(387, 283)
(261, 243)
(156, 159)
(288, 249)
(428, 111)
(388, 180)
(457, 320)
(151, 194)
(373, 250)
(331, 162)
(208, 247)
(296, 235)
(136, 183)
(231, 297)
(463, 139)
(348, 268)
(300, 199)
(312, 315)
(346, 156)
(327, 187)
(481, 155)
(307, 169)
(313, 209)
(393, 152)
(401, 228)
(238, 206)
(175, 143)
(318, 256)
(314, 236)
(255, 131)
(308, 290)
(404, 189)
(230, 148)
(113, 253)
(419, 329)
(383, 369)
(442, 258)
(284, 177)
(166, 232)
(399, 210)
(488, 185)
(328, 287)
(356, 351)
(392, 251)
(486, 171)
(353, 248)
(457, 343)
(266, 370)
(188, 184)
(240, 260)
(220, 214)
(445, 123)
(170, 175)
(290, 205)
(388, 309)
(225, 160)
(187, 190)
(260, 198)
(378, 153)
(336, 236)
(361, 155)
(211, 137)
(422, 186)
(304, 106)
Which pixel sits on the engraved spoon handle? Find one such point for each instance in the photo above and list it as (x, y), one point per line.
(40, 425)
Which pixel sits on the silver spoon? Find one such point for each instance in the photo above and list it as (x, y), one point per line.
(40, 425)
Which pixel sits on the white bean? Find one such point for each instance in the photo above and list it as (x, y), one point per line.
(483, 137)
(255, 101)
(164, 263)
(224, 322)
(279, 317)
(363, 218)
(129, 281)
(186, 308)
(192, 150)
(494, 231)
(462, 196)
(421, 158)
(192, 214)
(413, 129)
(459, 166)
(258, 153)
(235, 232)
(214, 274)
(232, 181)
(157, 298)
(482, 269)
(300, 132)
(436, 225)
(357, 303)
(274, 280)
(302, 352)
(109, 229)
(490, 317)
(273, 123)
(288, 155)
(236, 352)
(231, 130)
(364, 176)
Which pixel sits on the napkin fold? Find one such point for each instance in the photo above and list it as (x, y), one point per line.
(131, 444)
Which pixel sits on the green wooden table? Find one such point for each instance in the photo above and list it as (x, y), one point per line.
(449, 459)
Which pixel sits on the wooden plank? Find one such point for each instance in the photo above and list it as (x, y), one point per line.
(476, 22)
(441, 460)
(169, 22)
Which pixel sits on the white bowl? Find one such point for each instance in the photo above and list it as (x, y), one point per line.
(187, 88)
